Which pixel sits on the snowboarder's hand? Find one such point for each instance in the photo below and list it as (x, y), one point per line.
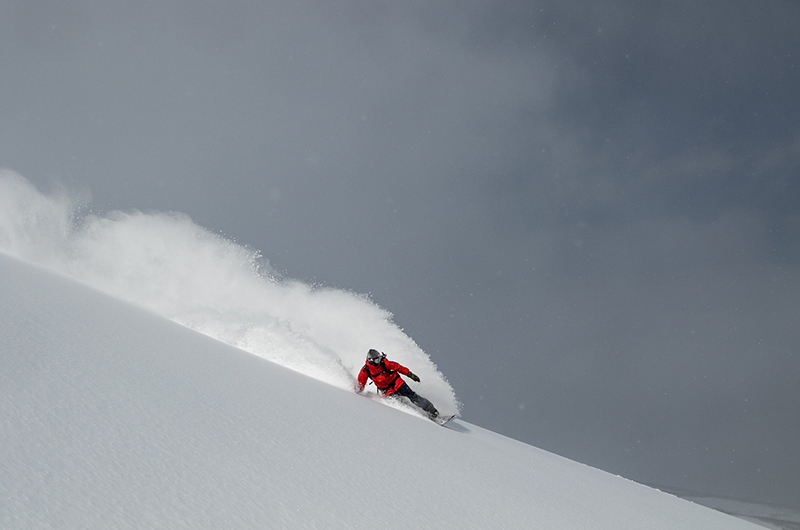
(413, 376)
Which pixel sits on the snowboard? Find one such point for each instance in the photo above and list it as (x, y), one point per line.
(442, 420)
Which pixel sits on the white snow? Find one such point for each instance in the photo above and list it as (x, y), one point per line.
(773, 517)
(112, 416)
(183, 272)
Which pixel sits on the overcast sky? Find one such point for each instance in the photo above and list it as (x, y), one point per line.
(587, 213)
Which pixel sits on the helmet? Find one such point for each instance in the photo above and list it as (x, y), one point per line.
(374, 356)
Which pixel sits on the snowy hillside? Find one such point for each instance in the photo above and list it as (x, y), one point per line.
(114, 417)
(768, 516)
(172, 266)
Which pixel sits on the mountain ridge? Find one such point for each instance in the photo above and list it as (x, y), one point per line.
(115, 417)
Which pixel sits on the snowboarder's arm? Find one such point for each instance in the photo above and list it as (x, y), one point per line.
(362, 380)
(396, 367)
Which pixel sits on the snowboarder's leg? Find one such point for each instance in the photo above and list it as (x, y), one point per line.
(418, 400)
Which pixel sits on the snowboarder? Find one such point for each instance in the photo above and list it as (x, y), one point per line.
(386, 376)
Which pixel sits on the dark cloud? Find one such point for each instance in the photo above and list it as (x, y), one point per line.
(586, 213)
(660, 112)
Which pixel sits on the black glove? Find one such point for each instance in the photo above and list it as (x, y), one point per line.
(413, 376)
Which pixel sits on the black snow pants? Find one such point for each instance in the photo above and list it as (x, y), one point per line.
(417, 400)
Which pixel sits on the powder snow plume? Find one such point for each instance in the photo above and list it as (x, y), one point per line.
(170, 265)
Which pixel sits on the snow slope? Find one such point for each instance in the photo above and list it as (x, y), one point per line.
(768, 516)
(167, 263)
(114, 417)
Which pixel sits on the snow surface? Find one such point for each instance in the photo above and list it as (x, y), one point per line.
(170, 265)
(112, 416)
(773, 517)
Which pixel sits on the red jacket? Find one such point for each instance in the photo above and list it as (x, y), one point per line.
(384, 375)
